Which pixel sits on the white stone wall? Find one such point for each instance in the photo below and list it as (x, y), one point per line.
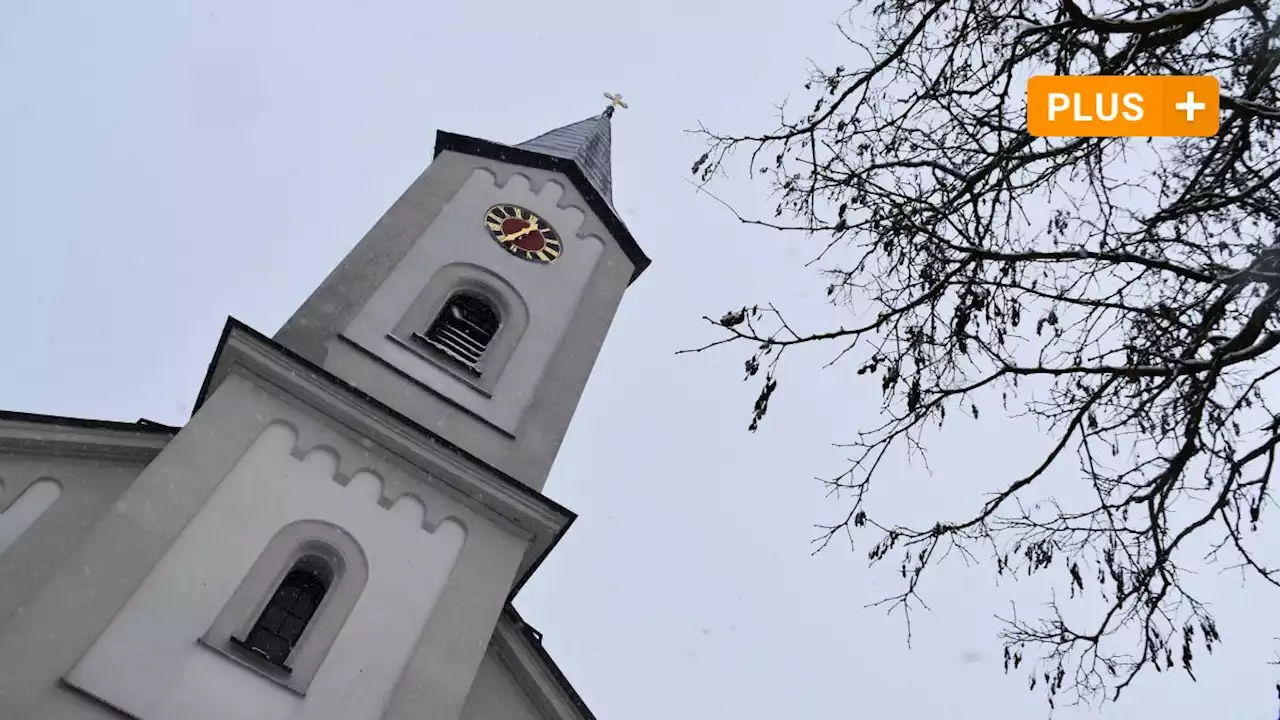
(148, 661)
(551, 292)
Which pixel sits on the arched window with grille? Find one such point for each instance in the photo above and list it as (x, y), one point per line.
(289, 610)
(463, 329)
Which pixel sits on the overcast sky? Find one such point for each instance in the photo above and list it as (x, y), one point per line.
(164, 165)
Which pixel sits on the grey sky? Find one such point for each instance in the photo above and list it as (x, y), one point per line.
(164, 165)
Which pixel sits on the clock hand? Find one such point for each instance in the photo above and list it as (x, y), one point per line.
(512, 237)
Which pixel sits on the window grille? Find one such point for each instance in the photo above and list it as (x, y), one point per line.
(289, 610)
(463, 330)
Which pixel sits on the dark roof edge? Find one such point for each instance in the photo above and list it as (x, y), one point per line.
(234, 325)
(147, 426)
(537, 562)
(543, 161)
(535, 641)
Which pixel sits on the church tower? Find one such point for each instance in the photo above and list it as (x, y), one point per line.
(477, 304)
(337, 532)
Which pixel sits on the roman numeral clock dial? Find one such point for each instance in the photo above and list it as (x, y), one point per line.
(523, 234)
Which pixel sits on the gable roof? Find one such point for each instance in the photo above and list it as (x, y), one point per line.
(78, 437)
(142, 425)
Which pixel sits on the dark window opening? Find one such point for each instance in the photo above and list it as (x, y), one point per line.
(289, 610)
(463, 329)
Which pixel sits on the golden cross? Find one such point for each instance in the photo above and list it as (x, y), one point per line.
(615, 99)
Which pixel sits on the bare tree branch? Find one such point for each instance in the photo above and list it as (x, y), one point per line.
(1122, 293)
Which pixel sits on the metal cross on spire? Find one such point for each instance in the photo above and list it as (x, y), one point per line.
(615, 101)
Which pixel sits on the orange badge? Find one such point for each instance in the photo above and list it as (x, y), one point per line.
(1122, 106)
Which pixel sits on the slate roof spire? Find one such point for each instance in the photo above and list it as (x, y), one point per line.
(588, 143)
(581, 151)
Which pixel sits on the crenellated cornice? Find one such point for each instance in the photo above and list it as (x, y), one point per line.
(503, 499)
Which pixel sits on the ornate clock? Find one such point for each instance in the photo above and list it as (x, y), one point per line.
(522, 233)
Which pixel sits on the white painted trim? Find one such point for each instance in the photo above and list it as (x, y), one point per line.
(521, 510)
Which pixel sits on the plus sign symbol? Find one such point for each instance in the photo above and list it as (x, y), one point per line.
(1190, 106)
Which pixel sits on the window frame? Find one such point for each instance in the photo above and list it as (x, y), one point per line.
(324, 577)
(282, 554)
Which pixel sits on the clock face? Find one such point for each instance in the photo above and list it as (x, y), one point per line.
(522, 233)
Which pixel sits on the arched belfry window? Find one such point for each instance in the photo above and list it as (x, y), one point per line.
(466, 322)
(289, 610)
(464, 328)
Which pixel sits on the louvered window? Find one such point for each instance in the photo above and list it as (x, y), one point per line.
(463, 329)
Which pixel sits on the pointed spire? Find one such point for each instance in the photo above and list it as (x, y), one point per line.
(581, 151)
(586, 142)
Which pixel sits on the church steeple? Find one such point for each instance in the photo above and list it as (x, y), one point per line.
(588, 143)
(477, 304)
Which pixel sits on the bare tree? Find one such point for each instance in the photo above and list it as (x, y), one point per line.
(1122, 293)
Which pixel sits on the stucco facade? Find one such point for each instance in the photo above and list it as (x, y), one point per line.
(430, 241)
(338, 530)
